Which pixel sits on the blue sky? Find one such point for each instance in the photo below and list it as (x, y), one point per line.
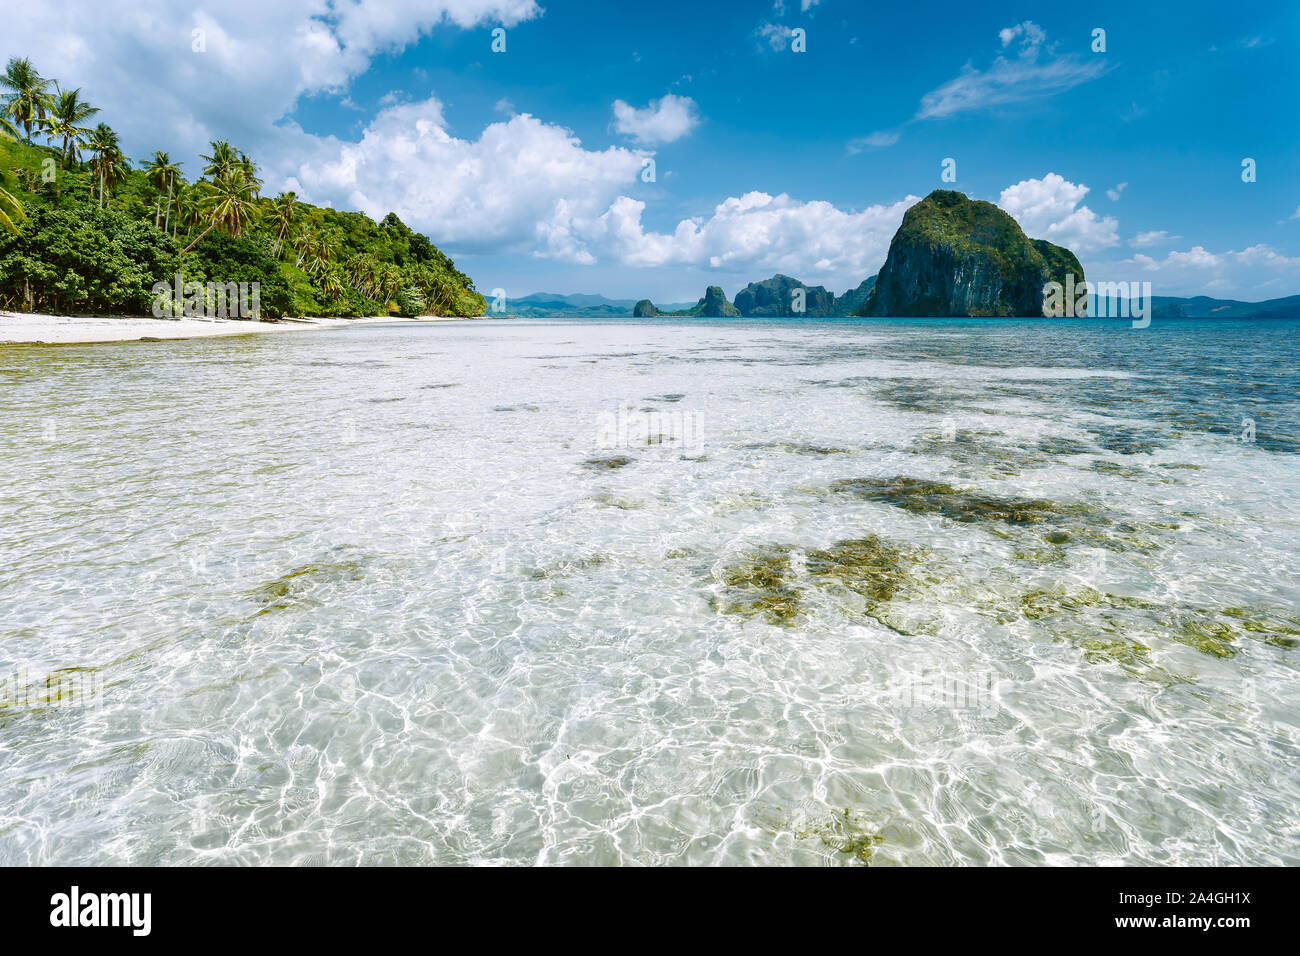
(527, 165)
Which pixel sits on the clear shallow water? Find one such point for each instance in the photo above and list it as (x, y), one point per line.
(921, 593)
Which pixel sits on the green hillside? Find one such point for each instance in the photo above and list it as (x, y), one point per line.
(84, 229)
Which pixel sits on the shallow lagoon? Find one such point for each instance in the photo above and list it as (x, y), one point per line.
(894, 593)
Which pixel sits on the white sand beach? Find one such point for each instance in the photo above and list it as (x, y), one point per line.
(24, 328)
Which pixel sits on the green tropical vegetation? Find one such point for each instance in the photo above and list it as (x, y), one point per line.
(83, 229)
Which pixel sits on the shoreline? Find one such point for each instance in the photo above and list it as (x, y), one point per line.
(32, 328)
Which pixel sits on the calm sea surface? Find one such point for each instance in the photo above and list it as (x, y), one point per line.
(838, 592)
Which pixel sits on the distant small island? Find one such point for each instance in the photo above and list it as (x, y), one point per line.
(954, 256)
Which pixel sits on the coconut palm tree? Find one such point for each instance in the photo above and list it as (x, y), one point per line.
(189, 209)
(315, 252)
(29, 95)
(11, 210)
(228, 202)
(109, 164)
(284, 208)
(302, 244)
(161, 172)
(222, 161)
(248, 169)
(67, 114)
(331, 283)
(173, 171)
(362, 271)
(390, 280)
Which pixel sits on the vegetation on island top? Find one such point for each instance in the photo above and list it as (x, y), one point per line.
(83, 231)
(956, 256)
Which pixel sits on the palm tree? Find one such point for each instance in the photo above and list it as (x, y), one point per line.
(302, 244)
(10, 208)
(331, 283)
(362, 271)
(442, 289)
(189, 209)
(222, 160)
(160, 171)
(228, 203)
(109, 163)
(248, 169)
(284, 208)
(315, 251)
(68, 111)
(29, 95)
(173, 170)
(11, 211)
(390, 280)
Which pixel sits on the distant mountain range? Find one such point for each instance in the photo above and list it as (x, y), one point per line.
(1203, 307)
(543, 304)
(773, 297)
(769, 298)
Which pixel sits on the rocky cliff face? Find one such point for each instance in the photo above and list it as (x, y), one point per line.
(644, 309)
(953, 256)
(776, 297)
(850, 302)
(715, 304)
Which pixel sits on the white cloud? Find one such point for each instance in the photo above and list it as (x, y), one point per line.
(1033, 34)
(134, 58)
(1155, 237)
(522, 184)
(778, 6)
(881, 139)
(1296, 214)
(775, 34)
(1049, 208)
(665, 120)
(1034, 71)
(1114, 194)
(1265, 255)
(1196, 257)
(1256, 272)
(756, 234)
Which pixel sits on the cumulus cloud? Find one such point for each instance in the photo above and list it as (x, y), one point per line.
(1255, 272)
(521, 184)
(532, 187)
(665, 120)
(136, 59)
(1265, 255)
(1030, 70)
(1114, 194)
(1049, 208)
(756, 233)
